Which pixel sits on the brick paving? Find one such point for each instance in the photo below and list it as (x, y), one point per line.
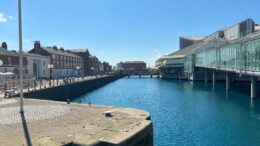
(11, 115)
(7, 101)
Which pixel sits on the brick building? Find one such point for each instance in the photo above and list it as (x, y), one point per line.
(85, 55)
(65, 63)
(11, 60)
(106, 67)
(134, 66)
(94, 65)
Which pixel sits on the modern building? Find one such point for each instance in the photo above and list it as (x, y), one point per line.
(85, 55)
(11, 60)
(189, 40)
(172, 65)
(63, 63)
(185, 62)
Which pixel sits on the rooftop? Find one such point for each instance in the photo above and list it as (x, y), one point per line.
(183, 52)
(59, 52)
(7, 52)
(196, 38)
(134, 62)
(78, 50)
(34, 55)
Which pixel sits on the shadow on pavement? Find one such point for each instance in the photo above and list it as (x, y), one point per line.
(25, 129)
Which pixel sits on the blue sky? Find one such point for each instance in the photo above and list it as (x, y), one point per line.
(120, 30)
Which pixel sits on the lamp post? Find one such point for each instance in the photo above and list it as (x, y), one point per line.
(50, 67)
(92, 68)
(20, 55)
(78, 68)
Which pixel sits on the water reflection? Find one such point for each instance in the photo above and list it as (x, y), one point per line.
(186, 112)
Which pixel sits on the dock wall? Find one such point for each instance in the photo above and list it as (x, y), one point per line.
(70, 91)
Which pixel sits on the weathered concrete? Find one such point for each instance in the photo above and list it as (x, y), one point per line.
(64, 92)
(78, 125)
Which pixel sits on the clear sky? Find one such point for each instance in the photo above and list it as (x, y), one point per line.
(120, 30)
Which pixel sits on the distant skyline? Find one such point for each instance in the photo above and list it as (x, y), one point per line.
(119, 30)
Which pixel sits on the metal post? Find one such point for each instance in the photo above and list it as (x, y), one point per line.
(253, 87)
(206, 76)
(227, 81)
(20, 55)
(213, 77)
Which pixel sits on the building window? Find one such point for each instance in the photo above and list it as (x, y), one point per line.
(9, 60)
(43, 63)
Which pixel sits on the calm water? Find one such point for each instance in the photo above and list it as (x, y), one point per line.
(186, 113)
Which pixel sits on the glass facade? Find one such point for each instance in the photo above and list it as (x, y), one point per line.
(244, 56)
(189, 64)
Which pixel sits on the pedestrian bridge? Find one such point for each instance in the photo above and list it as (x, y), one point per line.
(143, 73)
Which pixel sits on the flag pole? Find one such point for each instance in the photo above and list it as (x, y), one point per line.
(20, 56)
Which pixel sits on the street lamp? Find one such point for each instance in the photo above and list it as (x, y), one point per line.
(50, 67)
(20, 55)
(78, 68)
(92, 68)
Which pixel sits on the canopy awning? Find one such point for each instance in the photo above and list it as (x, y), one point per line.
(6, 73)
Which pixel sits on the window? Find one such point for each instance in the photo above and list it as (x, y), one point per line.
(9, 60)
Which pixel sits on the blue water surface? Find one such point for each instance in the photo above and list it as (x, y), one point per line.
(187, 113)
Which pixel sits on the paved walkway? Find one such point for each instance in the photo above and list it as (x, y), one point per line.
(56, 123)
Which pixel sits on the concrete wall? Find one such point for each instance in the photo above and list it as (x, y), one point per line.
(62, 93)
(141, 138)
(144, 137)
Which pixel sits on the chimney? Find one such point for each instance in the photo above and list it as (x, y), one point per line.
(55, 48)
(37, 44)
(4, 45)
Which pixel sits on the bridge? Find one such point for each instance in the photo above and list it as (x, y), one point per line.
(141, 73)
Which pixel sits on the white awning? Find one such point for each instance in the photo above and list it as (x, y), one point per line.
(6, 73)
